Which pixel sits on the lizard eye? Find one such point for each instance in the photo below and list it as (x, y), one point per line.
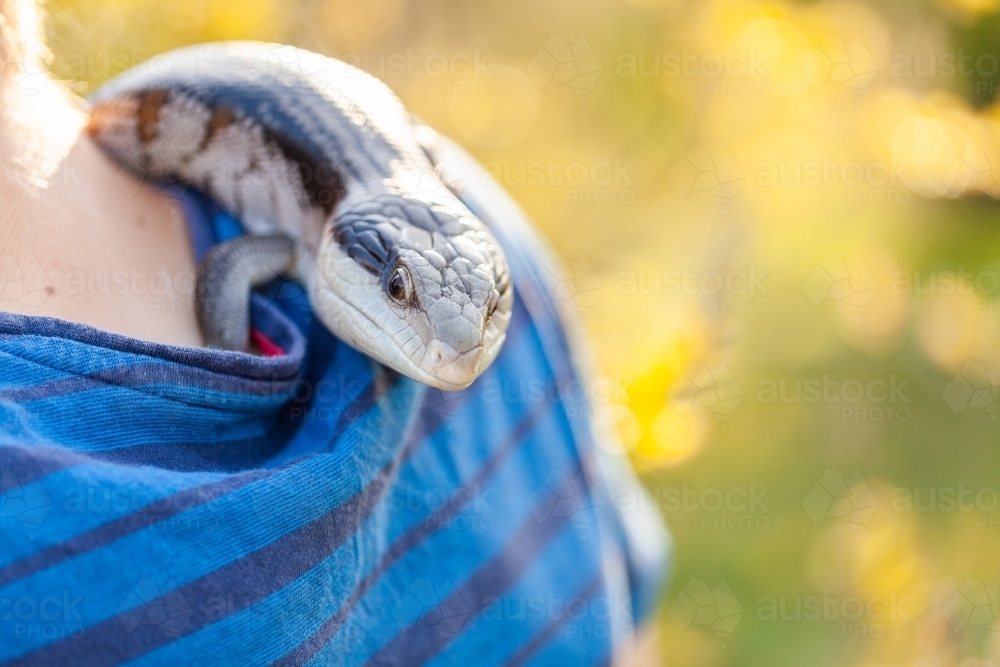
(400, 286)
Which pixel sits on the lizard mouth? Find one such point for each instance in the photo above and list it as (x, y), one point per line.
(440, 365)
(458, 370)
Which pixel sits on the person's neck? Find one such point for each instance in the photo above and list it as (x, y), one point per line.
(80, 239)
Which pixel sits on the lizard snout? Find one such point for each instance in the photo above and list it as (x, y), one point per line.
(452, 367)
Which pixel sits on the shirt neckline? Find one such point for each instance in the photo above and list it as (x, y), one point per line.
(265, 317)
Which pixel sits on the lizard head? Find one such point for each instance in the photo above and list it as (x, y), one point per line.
(419, 289)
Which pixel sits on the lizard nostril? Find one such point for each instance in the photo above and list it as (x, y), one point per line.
(440, 354)
(435, 354)
(451, 367)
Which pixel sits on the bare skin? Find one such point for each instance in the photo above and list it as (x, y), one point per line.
(90, 245)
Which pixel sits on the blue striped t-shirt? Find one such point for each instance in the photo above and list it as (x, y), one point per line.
(172, 506)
